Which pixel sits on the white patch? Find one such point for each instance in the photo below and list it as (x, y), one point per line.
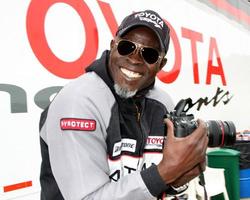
(154, 142)
(124, 145)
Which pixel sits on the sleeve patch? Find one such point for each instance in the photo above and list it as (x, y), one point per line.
(78, 124)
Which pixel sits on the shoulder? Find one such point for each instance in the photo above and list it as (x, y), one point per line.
(88, 86)
(161, 96)
(86, 97)
(87, 93)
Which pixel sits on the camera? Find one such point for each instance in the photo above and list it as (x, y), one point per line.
(220, 133)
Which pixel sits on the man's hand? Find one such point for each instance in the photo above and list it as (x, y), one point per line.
(183, 158)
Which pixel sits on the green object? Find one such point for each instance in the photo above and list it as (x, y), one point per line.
(218, 197)
(229, 160)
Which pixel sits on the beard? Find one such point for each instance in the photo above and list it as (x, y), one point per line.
(124, 92)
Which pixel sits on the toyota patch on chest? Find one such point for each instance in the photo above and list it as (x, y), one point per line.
(78, 124)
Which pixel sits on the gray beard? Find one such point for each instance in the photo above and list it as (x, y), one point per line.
(124, 92)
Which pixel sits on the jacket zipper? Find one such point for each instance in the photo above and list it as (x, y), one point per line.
(138, 116)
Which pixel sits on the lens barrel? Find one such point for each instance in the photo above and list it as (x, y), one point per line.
(221, 133)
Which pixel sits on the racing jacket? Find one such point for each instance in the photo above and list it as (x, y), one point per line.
(96, 145)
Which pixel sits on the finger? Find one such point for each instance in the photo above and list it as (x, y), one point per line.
(200, 132)
(170, 127)
(202, 126)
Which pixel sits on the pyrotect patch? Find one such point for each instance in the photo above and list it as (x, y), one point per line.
(78, 124)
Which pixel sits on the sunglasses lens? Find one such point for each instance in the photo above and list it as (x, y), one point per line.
(150, 55)
(125, 47)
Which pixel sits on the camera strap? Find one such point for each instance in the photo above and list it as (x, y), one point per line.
(202, 183)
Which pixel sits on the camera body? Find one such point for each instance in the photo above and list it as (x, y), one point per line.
(219, 133)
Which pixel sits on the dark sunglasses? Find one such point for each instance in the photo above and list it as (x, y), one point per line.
(149, 54)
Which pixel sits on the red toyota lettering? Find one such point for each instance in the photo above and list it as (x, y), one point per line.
(171, 76)
(35, 30)
(212, 69)
(194, 38)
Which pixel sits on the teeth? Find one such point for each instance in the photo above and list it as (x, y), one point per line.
(130, 74)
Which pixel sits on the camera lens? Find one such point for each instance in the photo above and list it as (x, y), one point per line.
(221, 133)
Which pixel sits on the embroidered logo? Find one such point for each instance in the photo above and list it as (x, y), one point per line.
(124, 145)
(150, 18)
(78, 124)
(154, 142)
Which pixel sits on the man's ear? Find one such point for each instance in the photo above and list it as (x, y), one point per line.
(163, 63)
(112, 44)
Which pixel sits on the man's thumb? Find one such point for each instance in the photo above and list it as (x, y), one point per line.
(170, 127)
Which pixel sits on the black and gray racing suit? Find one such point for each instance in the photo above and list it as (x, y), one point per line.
(96, 145)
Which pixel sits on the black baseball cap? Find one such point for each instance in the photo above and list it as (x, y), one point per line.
(150, 19)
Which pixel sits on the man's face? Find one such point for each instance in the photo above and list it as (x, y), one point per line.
(131, 72)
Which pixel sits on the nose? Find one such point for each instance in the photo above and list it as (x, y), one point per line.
(136, 57)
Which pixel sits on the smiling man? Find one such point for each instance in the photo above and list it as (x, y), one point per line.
(135, 60)
(104, 136)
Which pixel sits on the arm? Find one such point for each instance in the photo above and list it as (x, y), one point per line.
(78, 157)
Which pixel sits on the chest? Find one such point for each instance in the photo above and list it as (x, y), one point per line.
(135, 139)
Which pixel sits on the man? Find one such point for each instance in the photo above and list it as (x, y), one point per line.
(103, 136)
